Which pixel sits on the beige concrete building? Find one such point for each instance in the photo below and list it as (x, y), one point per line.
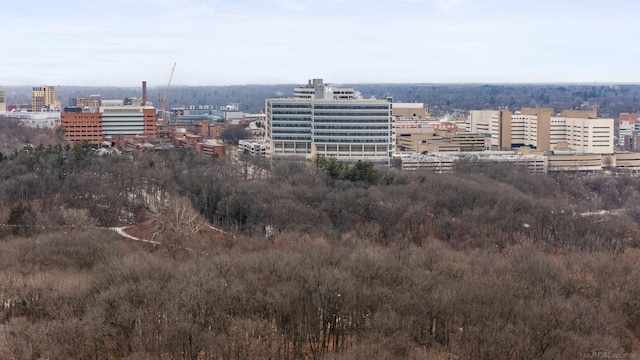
(410, 111)
(495, 124)
(585, 114)
(585, 135)
(575, 163)
(441, 141)
(540, 130)
(535, 164)
(253, 148)
(3, 101)
(44, 97)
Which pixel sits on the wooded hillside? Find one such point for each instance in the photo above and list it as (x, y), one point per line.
(312, 261)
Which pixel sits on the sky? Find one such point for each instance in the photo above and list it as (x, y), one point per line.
(235, 42)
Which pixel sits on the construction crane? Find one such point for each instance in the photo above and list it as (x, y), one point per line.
(163, 99)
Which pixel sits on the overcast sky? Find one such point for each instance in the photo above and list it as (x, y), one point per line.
(223, 42)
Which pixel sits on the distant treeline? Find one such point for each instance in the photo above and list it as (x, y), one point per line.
(609, 100)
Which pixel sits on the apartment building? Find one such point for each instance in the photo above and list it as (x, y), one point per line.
(328, 124)
(44, 97)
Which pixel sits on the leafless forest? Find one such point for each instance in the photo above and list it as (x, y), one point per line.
(310, 260)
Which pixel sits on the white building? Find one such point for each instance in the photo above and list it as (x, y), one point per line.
(316, 88)
(47, 119)
(324, 124)
(484, 122)
(585, 136)
(3, 101)
(127, 120)
(253, 148)
(524, 130)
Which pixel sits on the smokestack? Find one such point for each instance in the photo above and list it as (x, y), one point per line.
(144, 93)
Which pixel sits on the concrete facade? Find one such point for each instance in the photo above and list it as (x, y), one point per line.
(346, 129)
(253, 148)
(538, 129)
(495, 124)
(317, 89)
(441, 141)
(410, 111)
(128, 120)
(3, 100)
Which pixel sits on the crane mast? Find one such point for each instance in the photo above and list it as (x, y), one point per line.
(163, 99)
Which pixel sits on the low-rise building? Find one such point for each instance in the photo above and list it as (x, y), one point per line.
(253, 148)
(46, 119)
(441, 141)
(211, 148)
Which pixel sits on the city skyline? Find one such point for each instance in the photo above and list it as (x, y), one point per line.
(343, 41)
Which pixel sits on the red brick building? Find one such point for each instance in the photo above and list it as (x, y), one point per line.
(82, 127)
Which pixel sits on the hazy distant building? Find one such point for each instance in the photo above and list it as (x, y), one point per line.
(318, 121)
(3, 100)
(34, 119)
(44, 97)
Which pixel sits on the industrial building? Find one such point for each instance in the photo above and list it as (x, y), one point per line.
(101, 120)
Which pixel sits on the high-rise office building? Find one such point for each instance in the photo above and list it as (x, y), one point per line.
(319, 121)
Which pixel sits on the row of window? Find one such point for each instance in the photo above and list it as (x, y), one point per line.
(291, 125)
(351, 148)
(290, 106)
(362, 114)
(363, 121)
(352, 134)
(357, 141)
(354, 107)
(350, 127)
